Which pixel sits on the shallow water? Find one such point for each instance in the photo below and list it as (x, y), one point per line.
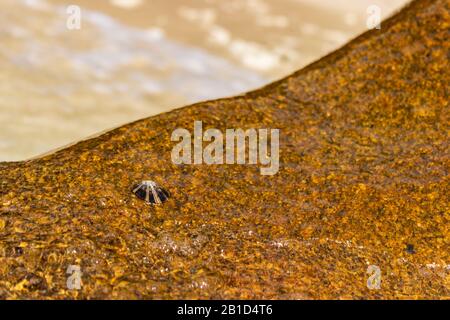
(133, 59)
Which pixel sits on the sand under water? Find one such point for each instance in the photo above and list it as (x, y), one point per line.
(135, 59)
(363, 184)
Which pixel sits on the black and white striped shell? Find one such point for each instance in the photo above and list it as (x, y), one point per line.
(150, 192)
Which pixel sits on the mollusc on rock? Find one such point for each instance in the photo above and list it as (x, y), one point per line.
(362, 189)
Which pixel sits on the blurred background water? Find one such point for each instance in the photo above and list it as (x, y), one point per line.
(134, 58)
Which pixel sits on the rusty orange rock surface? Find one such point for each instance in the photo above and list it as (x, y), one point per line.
(363, 181)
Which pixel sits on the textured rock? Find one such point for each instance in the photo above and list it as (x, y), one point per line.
(363, 181)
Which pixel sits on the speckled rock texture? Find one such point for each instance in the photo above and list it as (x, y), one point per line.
(363, 180)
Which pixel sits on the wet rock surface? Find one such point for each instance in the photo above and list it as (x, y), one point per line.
(363, 181)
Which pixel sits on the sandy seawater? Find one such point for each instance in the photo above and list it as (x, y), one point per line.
(133, 59)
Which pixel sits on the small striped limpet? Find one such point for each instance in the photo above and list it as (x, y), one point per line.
(150, 192)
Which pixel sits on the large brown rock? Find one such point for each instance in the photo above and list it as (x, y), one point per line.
(363, 181)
